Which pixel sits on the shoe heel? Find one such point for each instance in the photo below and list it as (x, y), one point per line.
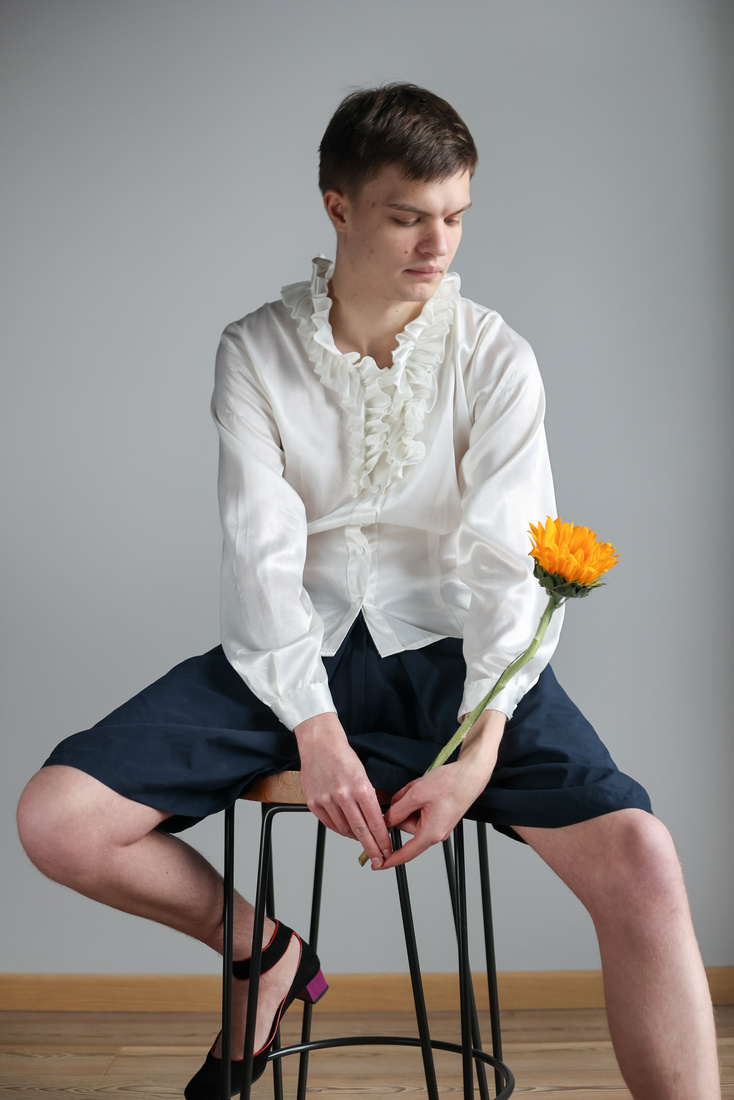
(315, 989)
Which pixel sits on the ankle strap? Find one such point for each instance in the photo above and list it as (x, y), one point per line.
(272, 954)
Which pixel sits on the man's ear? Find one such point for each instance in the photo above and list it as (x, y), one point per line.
(336, 206)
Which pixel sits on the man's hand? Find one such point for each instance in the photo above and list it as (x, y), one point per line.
(336, 786)
(430, 807)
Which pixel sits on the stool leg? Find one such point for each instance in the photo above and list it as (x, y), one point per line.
(227, 950)
(415, 973)
(313, 939)
(270, 912)
(494, 1008)
(476, 1034)
(464, 970)
(263, 875)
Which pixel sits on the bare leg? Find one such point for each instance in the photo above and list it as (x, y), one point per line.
(624, 869)
(88, 837)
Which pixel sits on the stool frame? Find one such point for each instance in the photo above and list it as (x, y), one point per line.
(470, 1049)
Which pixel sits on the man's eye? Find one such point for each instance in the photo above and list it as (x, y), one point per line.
(400, 221)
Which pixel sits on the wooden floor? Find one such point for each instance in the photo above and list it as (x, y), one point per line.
(564, 1054)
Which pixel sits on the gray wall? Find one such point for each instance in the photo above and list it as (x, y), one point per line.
(159, 181)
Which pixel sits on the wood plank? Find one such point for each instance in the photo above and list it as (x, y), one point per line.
(347, 993)
(286, 787)
(110, 992)
(43, 1063)
(283, 787)
(562, 1054)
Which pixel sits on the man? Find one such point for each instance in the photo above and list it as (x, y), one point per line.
(382, 455)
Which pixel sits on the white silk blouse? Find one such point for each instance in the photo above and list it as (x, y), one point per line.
(405, 494)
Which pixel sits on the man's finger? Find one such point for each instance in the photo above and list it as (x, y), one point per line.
(362, 832)
(408, 851)
(399, 794)
(334, 820)
(404, 808)
(376, 824)
(410, 824)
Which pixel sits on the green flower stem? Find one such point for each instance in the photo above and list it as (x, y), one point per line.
(503, 680)
(553, 602)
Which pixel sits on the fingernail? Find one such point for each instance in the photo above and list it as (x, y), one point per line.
(386, 853)
(376, 864)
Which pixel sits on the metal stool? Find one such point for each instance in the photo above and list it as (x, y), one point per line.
(282, 794)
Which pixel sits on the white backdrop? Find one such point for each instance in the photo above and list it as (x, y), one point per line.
(159, 180)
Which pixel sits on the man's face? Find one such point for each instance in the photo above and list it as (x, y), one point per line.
(397, 237)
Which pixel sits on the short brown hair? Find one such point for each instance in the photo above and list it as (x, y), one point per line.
(398, 124)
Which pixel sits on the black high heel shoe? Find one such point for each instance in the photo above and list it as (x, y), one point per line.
(308, 984)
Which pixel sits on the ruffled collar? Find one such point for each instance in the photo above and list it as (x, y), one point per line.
(385, 408)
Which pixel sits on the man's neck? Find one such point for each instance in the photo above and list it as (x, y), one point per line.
(366, 326)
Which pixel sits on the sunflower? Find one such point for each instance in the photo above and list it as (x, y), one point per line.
(569, 560)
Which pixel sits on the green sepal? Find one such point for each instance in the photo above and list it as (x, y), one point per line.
(559, 588)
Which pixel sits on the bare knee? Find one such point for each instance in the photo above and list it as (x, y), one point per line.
(641, 874)
(51, 819)
(646, 850)
(622, 866)
(69, 823)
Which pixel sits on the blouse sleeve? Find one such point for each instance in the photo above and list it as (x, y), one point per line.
(506, 485)
(271, 633)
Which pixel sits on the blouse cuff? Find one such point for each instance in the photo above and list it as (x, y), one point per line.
(506, 700)
(303, 703)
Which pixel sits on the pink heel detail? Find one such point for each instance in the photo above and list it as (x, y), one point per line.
(315, 989)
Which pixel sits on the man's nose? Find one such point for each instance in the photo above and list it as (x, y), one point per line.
(435, 241)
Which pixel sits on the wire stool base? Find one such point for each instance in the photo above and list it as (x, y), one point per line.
(475, 1060)
(508, 1080)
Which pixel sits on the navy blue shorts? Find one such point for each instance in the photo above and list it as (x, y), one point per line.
(196, 739)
